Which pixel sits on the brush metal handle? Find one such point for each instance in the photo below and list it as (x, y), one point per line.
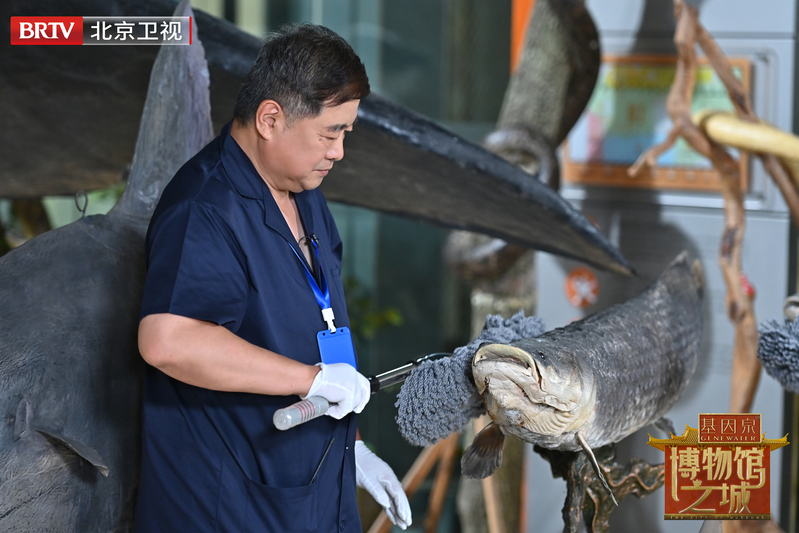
(315, 406)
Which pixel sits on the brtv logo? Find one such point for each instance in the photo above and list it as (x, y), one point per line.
(46, 30)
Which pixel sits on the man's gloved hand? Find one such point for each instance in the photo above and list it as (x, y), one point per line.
(374, 475)
(344, 387)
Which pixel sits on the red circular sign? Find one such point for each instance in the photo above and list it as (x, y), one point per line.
(582, 287)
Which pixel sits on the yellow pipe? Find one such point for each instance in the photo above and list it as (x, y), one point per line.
(726, 128)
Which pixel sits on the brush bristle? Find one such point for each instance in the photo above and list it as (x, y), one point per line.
(778, 350)
(439, 397)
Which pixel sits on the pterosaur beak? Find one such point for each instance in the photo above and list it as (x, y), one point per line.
(399, 162)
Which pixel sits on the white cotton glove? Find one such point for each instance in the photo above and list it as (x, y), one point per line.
(374, 475)
(344, 387)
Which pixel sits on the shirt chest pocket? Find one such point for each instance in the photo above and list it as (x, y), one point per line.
(248, 506)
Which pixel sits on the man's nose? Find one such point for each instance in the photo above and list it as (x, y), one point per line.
(336, 152)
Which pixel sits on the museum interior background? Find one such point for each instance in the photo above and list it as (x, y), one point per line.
(450, 60)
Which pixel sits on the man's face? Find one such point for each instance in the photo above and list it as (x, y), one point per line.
(303, 153)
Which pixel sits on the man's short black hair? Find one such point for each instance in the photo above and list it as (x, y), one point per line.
(302, 67)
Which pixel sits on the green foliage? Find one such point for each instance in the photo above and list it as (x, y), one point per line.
(110, 195)
(365, 319)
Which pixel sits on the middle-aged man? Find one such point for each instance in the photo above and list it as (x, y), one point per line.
(243, 256)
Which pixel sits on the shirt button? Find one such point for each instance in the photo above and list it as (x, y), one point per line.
(342, 525)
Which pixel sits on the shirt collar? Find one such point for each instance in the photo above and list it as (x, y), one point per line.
(249, 184)
(240, 169)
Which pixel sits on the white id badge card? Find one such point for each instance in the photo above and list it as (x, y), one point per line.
(336, 346)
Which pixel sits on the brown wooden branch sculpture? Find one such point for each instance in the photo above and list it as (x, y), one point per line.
(745, 365)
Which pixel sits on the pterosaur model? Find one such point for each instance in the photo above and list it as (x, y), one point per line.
(71, 114)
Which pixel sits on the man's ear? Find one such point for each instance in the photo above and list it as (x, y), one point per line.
(268, 117)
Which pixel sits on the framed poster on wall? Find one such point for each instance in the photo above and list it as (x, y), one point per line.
(627, 114)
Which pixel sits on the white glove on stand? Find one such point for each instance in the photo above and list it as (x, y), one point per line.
(374, 475)
(344, 387)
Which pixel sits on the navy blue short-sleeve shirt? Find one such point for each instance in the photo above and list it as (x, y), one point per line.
(219, 250)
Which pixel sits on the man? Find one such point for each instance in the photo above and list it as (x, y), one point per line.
(240, 251)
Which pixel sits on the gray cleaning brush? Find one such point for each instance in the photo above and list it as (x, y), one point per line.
(439, 397)
(778, 350)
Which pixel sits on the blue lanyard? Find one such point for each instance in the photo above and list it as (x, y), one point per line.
(322, 295)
